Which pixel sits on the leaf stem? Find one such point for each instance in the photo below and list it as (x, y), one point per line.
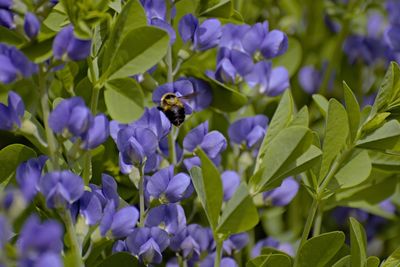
(44, 100)
(75, 247)
(141, 196)
(318, 220)
(218, 253)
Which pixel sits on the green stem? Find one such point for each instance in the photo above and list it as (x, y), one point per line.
(218, 253)
(75, 247)
(318, 220)
(44, 100)
(171, 146)
(307, 227)
(141, 196)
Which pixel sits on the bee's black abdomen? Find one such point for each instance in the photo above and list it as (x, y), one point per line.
(176, 115)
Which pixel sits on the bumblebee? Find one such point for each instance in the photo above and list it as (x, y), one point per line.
(173, 108)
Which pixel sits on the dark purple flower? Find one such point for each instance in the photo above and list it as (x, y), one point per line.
(203, 94)
(6, 4)
(179, 88)
(168, 187)
(364, 48)
(11, 115)
(119, 246)
(136, 144)
(393, 37)
(273, 243)
(269, 81)
(310, 79)
(393, 9)
(13, 64)
(31, 25)
(187, 27)
(67, 46)
(249, 130)
(164, 148)
(191, 162)
(233, 65)
(120, 223)
(213, 143)
(154, 120)
(253, 38)
(7, 18)
(282, 195)
(5, 231)
(97, 133)
(207, 35)
(60, 187)
(28, 174)
(233, 35)
(90, 208)
(148, 244)
(230, 182)
(40, 243)
(170, 217)
(274, 44)
(235, 242)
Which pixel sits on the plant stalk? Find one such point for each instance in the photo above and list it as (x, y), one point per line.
(75, 247)
(218, 254)
(141, 196)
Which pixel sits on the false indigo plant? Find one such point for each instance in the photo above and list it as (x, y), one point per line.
(273, 162)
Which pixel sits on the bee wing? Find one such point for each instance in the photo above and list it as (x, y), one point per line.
(189, 96)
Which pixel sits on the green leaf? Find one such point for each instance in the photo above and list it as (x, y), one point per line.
(353, 110)
(336, 132)
(343, 262)
(271, 260)
(301, 118)
(124, 99)
(384, 137)
(387, 90)
(318, 250)
(358, 244)
(215, 8)
(239, 214)
(11, 156)
(10, 37)
(375, 123)
(131, 17)
(384, 161)
(292, 58)
(393, 260)
(322, 104)
(39, 51)
(55, 20)
(140, 50)
(372, 261)
(121, 259)
(355, 171)
(208, 184)
(225, 98)
(281, 119)
(286, 148)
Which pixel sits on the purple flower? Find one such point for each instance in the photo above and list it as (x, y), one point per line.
(28, 174)
(72, 117)
(167, 187)
(154, 120)
(156, 16)
(233, 65)
(11, 115)
(273, 243)
(233, 35)
(136, 144)
(269, 81)
(148, 244)
(254, 38)
(230, 182)
(67, 46)
(61, 187)
(367, 49)
(170, 217)
(90, 208)
(5, 231)
(393, 37)
(213, 143)
(310, 79)
(204, 36)
(13, 64)
(119, 246)
(179, 88)
(40, 243)
(393, 9)
(282, 195)
(225, 261)
(274, 44)
(203, 94)
(6, 4)
(120, 223)
(249, 130)
(7, 18)
(31, 25)
(235, 242)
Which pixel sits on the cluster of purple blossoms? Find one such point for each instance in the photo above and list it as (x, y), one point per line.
(72, 119)
(12, 114)
(244, 52)
(66, 46)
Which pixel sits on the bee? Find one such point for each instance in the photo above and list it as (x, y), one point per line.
(172, 106)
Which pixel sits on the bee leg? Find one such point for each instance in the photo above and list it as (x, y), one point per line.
(160, 108)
